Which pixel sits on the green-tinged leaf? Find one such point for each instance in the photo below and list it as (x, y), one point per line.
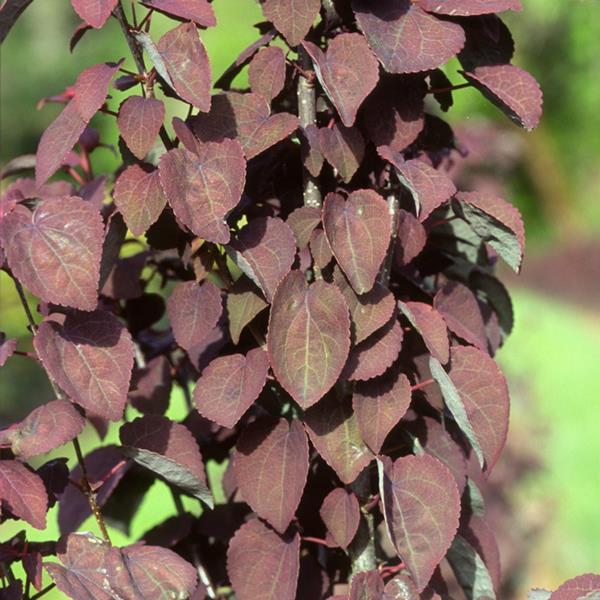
(470, 570)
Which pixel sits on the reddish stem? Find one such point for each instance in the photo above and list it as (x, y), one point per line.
(315, 540)
(450, 88)
(421, 385)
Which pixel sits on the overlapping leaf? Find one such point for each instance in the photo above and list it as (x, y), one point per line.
(405, 38)
(151, 386)
(199, 11)
(263, 565)
(344, 149)
(302, 222)
(308, 337)
(266, 72)
(55, 250)
(347, 71)
(366, 585)
(340, 512)
(333, 430)
(243, 302)
(293, 18)
(464, 8)
(470, 570)
(319, 249)
(22, 492)
(411, 238)
(94, 12)
(431, 327)
(271, 466)
(7, 348)
(229, 385)
(578, 588)
(358, 230)
(421, 506)
(139, 121)
(203, 188)
(90, 356)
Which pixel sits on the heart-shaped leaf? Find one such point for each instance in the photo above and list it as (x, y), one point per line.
(421, 506)
(431, 327)
(266, 72)
(333, 430)
(94, 12)
(344, 149)
(405, 38)
(465, 8)
(347, 71)
(293, 18)
(203, 188)
(340, 512)
(270, 467)
(90, 356)
(410, 240)
(194, 310)
(55, 250)
(139, 121)
(229, 385)
(358, 230)
(302, 222)
(23, 493)
(199, 11)
(308, 338)
(243, 302)
(263, 565)
(169, 450)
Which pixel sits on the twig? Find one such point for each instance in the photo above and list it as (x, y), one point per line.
(421, 385)
(43, 592)
(362, 549)
(315, 540)
(450, 88)
(386, 268)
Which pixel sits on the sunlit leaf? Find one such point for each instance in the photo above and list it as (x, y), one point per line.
(22, 492)
(266, 72)
(578, 588)
(243, 303)
(139, 121)
(94, 12)
(293, 18)
(199, 11)
(431, 327)
(458, 8)
(340, 512)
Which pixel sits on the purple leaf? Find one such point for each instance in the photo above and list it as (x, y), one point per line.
(266, 72)
(169, 450)
(366, 585)
(459, 307)
(203, 188)
(312, 157)
(263, 565)
(243, 303)
(152, 387)
(358, 230)
(124, 280)
(22, 492)
(139, 121)
(379, 405)
(7, 348)
(405, 38)
(411, 238)
(344, 149)
(577, 588)
(320, 250)
(45, 428)
(292, 18)
(229, 385)
(264, 250)
(187, 63)
(199, 11)
(348, 72)
(32, 565)
(94, 12)
(340, 512)
(302, 222)
(431, 327)
(333, 430)
(421, 506)
(308, 337)
(90, 357)
(514, 91)
(465, 8)
(271, 467)
(55, 250)
(194, 310)
(476, 531)
(402, 587)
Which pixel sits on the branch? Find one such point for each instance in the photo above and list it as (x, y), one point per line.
(386, 268)
(362, 549)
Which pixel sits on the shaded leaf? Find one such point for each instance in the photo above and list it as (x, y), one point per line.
(358, 230)
(199, 11)
(421, 506)
(203, 188)
(139, 121)
(333, 430)
(266, 72)
(402, 587)
(319, 249)
(431, 327)
(292, 18)
(90, 357)
(169, 450)
(348, 72)
(302, 222)
(405, 38)
(55, 250)
(411, 238)
(366, 585)
(379, 404)
(312, 157)
(308, 337)
(465, 8)
(152, 387)
(94, 12)
(22, 492)
(7, 348)
(344, 149)
(32, 565)
(243, 303)
(194, 310)
(470, 570)
(271, 467)
(263, 565)
(229, 385)
(340, 512)
(476, 531)
(9, 13)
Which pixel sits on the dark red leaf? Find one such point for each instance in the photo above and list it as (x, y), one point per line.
(402, 587)
(514, 91)
(264, 250)
(302, 222)
(358, 230)
(308, 338)
(94, 12)
(7, 347)
(187, 63)
(90, 357)
(229, 385)
(152, 387)
(348, 72)
(22, 492)
(421, 505)
(431, 327)
(366, 585)
(55, 250)
(199, 11)
(169, 450)
(320, 250)
(405, 38)
(91, 87)
(333, 430)
(344, 149)
(124, 281)
(293, 18)
(9, 13)
(271, 466)
(45, 428)
(466, 8)
(203, 188)
(55, 475)
(266, 72)
(340, 512)
(379, 405)
(263, 565)
(32, 565)
(194, 310)
(577, 588)
(243, 303)
(139, 121)
(312, 157)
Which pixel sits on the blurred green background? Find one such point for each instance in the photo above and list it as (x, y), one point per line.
(549, 480)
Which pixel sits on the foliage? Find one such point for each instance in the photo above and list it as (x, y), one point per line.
(326, 303)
